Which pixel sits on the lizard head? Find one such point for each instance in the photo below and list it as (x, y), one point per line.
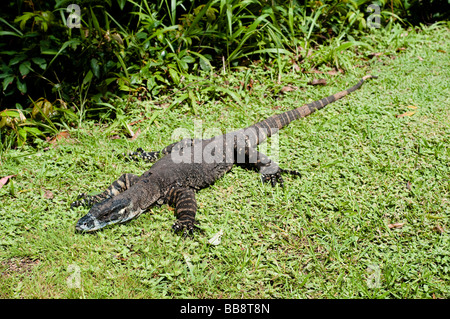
(111, 211)
(118, 209)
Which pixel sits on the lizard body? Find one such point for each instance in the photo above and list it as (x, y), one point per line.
(189, 165)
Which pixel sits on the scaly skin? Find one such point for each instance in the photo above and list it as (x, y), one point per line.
(190, 165)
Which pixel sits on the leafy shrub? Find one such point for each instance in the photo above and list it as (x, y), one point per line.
(141, 48)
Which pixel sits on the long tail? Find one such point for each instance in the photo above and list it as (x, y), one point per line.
(271, 125)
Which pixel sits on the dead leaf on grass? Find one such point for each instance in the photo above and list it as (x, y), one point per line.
(315, 71)
(334, 71)
(409, 113)
(420, 58)
(288, 88)
(4, 180)
(215, 240)
(48, 194)
(318, 82)
(138, 121)
(376, 54)
(439, 229)
(130, 131)
(396, 225)
(408, 185)
(135, 135)
(60, 136)
(412, 107)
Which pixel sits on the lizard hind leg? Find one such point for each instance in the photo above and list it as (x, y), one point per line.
(123, 183)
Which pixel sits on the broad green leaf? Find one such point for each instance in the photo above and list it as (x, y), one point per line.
(188, 59)
(87, 77)
(7, 81)
(40, 62)
(21, 136)
(32, 130)
(5, 74)
(23, 19)
(13, 113)
(205, 63)
(69, 112)
(25, 67)
(17, 59)
(95, 67)
(9, 52)
(22, 86)
(174, 75)
(183, 65)
(344, 46)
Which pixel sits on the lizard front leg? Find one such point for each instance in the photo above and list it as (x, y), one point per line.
(270, 171)
(185, 207)
(121, 184)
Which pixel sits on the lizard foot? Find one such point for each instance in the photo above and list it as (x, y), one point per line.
(275, 178)
(186, 226)
(82, 200)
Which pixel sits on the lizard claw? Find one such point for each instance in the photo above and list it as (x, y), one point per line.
(273, 178)
(186, 226)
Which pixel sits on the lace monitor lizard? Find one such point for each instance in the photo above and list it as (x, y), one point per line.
(189, 165)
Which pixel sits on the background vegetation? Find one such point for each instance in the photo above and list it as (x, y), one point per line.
(54, 77)
(369, 217)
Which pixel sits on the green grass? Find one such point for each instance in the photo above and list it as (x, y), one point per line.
(325, 235)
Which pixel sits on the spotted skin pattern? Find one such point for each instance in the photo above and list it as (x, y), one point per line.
(184, 167)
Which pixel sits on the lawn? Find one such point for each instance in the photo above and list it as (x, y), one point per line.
(368, 218)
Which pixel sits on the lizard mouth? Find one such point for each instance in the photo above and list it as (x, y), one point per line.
(89, 223)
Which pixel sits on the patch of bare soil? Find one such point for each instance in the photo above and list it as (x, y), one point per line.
(18, 265)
